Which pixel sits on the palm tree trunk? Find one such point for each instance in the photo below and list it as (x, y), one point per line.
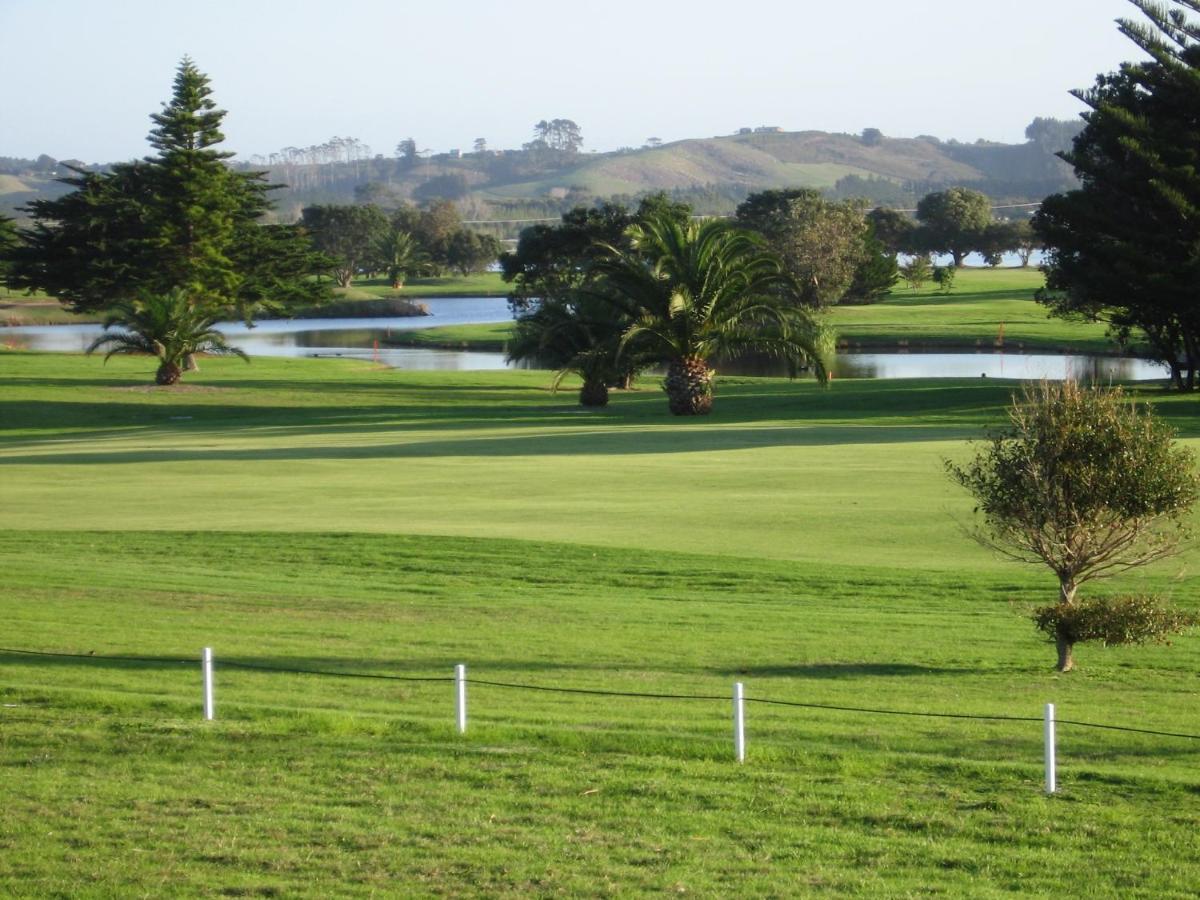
(689, 387)
(168, 373)
(593, 393)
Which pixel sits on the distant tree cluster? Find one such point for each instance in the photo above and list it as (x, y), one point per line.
(364, 240)
(562, 135)
(609, 291)
(955, 222)
(829, 247)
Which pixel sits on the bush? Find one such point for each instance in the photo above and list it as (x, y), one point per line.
(1113, 621)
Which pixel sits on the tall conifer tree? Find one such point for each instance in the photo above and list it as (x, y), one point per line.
(179, 220)
(1125, 247)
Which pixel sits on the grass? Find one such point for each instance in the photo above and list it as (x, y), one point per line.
(365, 297)
(331, 515)
(483, 284)
(988, 308)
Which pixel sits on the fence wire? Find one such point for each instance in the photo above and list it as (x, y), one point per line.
(594, 692)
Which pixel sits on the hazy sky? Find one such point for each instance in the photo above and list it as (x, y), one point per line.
(82, 76)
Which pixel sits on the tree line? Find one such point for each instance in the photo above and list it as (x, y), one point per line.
(403, 243)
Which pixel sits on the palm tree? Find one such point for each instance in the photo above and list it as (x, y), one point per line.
(402, 256)
(168, 326)
(579, 334)
(700, 290)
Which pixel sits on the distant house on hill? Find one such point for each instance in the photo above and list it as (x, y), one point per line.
(768, 129)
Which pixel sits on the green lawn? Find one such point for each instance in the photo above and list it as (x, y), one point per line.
(335, 516)
(484, 284)
(38, 309)
(987, 308)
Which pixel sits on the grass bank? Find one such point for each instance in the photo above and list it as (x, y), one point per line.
(328, 515)
(368, 297)
(988, 308)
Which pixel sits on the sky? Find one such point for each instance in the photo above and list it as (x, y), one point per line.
(82, 76)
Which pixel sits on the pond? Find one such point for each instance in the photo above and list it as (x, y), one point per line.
(368, 339)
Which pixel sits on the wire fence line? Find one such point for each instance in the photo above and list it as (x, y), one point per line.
(594, 692)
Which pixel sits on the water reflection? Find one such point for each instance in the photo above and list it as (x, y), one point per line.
(368, 339)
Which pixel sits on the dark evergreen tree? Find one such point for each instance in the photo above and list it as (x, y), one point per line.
(1125, 246)
(8, 241)
(551, 261)
(180, 220)
(877, 272)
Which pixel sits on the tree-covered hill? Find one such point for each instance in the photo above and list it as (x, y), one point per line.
(714, 174)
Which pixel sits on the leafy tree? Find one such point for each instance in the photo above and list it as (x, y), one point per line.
(562, 135)
(551, 261)
(893, 229)
(1125, 247)
(997, 239)
(703, 289)
(469, 251)
(1027, 241)
(480, 145)
(180, 219)
(435, 227)
(917, 271)
(578, 333)
(1053, 135)
(821, 243)
(943, 277)
(406, 151)
(1088, 484)
(451, 186)
(168, 326)
(953, 221)
(348, 235)
(872, 137)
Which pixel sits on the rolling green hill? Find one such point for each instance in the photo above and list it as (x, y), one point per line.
(714, 174)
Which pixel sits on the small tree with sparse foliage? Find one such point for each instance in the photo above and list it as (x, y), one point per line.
(917, 271)
(1091, 485)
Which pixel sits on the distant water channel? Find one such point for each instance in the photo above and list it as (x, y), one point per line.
(368, 339)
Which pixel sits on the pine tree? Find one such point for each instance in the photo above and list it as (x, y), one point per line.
(1125, 247)
(181, 219)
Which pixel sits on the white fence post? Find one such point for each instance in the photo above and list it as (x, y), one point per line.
(460, 697)
(1051, 773)
(208, 684)
(739, 721)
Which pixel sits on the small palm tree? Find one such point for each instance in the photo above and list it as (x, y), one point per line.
(402, 256)
(700, 290)
(168, 326)
(580, 334)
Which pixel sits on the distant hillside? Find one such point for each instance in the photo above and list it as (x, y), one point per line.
(753, 162)
(714, 174)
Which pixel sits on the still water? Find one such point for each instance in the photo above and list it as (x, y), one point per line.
(368, 339)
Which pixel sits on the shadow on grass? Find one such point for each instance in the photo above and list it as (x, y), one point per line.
(844, 670)
(590, 443)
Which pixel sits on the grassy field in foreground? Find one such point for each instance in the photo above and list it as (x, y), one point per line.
(329, 515)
